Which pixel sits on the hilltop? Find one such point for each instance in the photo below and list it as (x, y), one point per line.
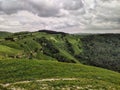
(51, 32)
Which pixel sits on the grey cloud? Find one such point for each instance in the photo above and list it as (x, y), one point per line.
(61, 14)
(73, 4)
(43, 9)
(109, 27)
(40, 8)
(109, 19)
(10, 7)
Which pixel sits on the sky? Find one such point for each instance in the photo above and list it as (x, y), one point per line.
(71, 16)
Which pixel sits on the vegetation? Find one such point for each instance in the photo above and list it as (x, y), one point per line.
(33, 56)
(80, 84)
(97, 50)
(13, 71)
(102, 51)
(42, 45)
(7, 52)
(4, 34)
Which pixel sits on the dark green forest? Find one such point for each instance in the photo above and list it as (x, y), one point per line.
(101, 50)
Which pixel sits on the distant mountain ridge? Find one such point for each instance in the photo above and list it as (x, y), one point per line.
(51, 32)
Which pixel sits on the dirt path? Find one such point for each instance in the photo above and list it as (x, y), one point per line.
(41, 80)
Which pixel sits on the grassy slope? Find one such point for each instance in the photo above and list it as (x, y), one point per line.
(22, 70)
(6, 52)
(28, 43)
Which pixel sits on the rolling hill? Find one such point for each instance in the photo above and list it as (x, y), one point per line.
(42, 45)
(97, 50)
(54, 60)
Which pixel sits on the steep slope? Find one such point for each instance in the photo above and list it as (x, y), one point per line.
(101, 50)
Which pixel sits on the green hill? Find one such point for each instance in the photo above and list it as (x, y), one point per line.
(42, 45)
(38, 74)
(34, 61)
(97, 50)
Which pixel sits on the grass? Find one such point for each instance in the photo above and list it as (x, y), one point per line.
(63, 52)
(12, 71)
(46, 67)
(20, 70)
(8, 51)
(97, 50)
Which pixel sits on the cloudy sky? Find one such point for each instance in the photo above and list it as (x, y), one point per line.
(73, 16)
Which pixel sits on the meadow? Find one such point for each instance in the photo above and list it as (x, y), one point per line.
(14, 72)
